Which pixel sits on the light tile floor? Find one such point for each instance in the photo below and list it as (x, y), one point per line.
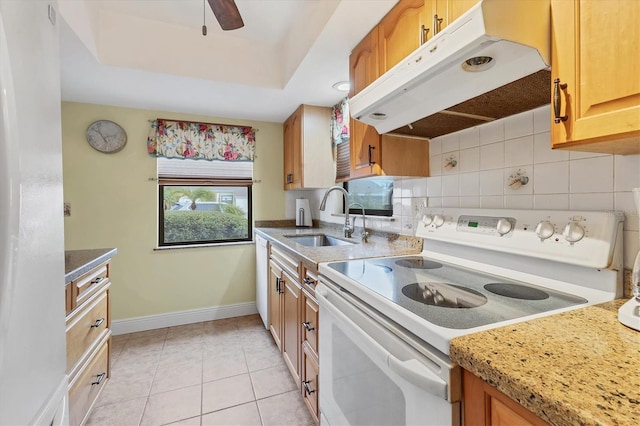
(224, 372)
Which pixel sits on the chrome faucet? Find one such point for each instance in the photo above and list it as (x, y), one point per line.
(348, 229)
(365, 234)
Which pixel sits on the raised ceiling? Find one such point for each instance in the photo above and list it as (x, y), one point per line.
(151, 54)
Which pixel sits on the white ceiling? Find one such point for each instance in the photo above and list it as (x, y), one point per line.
(151, 54)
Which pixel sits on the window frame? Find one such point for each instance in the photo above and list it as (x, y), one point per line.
(172, 182)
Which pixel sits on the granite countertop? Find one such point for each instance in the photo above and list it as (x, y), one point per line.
(580, 367)
(378, 245)
(78, 262)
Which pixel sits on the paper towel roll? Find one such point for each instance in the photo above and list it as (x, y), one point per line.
(303, 212)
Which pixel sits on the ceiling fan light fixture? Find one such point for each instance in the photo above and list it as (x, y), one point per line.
(342, 86)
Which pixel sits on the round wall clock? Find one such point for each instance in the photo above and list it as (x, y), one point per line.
(106, 136)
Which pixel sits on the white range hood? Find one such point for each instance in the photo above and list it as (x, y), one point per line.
(514, 34)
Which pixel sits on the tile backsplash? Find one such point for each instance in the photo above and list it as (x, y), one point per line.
(508, 163)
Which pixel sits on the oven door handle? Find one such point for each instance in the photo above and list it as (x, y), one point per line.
(414, 372)
(410, 370)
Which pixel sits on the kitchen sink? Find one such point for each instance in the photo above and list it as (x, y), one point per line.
(318, 240)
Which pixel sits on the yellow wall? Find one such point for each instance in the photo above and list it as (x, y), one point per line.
(114, 204)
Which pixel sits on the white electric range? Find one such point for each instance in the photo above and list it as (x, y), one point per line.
(479, 269)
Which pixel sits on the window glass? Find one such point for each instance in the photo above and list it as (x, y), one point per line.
(375, 194)
(204, 213)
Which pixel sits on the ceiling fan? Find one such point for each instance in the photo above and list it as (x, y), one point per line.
(227, 14)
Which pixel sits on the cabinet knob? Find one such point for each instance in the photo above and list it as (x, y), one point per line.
(307, 388)
(99, 378)
(98, 323)
(557, 102)
(371, 162)
(424, 32)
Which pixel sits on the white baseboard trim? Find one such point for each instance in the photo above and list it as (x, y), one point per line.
(171, 319)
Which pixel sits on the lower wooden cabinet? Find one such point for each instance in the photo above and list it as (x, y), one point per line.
(485, 405)
(291, 325)
(88, 333)
(293, 321)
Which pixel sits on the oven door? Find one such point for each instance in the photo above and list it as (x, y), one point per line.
(369, 376)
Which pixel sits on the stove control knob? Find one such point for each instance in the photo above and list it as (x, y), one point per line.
(504, 226)
(427, 219)
(573, 232)
(438, 220)
(545, 230)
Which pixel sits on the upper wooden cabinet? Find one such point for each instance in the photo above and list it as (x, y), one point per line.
(372, 154)
(411, 23)
(596, 59)
(403, 30)
(308, 158)
(450, 10)
(364, 141)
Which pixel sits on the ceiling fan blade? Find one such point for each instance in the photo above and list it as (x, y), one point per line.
(227, 14)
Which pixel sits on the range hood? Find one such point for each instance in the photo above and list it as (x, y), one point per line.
(491, 62)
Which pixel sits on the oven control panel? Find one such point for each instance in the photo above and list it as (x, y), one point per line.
(498, 226)
(584, 238)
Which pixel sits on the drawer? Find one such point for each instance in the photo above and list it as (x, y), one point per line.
(309, 278)
(86, 388)
(86, 327)
(89, 284)
(285, 260)
(310, 381)
(310, 321)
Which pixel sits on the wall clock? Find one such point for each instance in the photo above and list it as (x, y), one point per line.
(106, 136)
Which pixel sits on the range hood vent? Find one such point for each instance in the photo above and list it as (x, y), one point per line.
(490, 63)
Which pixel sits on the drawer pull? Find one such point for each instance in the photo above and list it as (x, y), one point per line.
(307, 389)
(97, 280)
(100, 378)
(98, 323)
(309, 281)
(307, 326)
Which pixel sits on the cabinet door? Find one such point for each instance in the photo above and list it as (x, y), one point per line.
(292, 132)
(364, 140)
(310, 388)
(595, 54)
(403, 30)
(484, 405)
(310, 321)
(275, 303)
(291, 325)
(455, 8)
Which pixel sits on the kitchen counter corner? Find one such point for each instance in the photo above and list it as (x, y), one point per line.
(78, 262)
(576, 367)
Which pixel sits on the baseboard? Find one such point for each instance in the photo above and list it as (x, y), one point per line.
(171, 319)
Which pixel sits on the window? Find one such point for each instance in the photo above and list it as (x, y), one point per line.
(204, 213)
(375, 195)
(203, 202)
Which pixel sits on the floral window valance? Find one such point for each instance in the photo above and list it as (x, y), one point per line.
(201, 141)
(340, 122)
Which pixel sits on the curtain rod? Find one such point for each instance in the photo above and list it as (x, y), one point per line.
(203, 122)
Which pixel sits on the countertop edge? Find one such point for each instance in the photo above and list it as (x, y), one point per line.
(79, 262)
(564, 368)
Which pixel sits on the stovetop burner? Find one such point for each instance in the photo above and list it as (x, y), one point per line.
(444, 295)
(516, 291)
(418, 263)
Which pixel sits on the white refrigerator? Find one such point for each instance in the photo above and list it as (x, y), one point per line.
(33, 384)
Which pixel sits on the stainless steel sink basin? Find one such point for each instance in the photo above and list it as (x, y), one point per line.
(318, 240)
